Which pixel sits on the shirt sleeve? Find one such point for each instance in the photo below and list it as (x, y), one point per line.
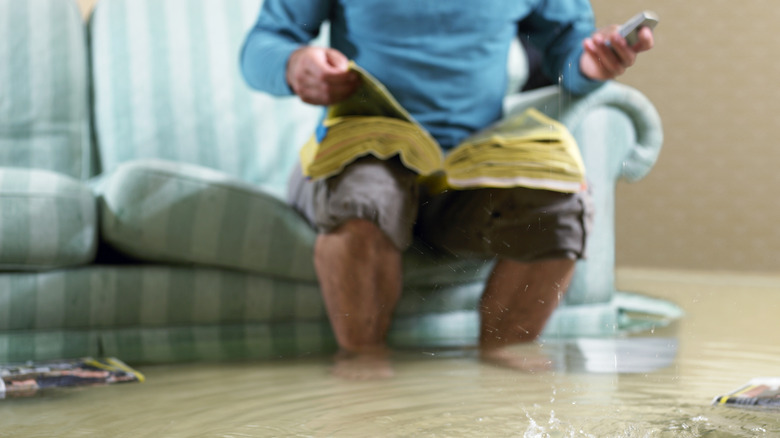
(557, 28)
(281, 28)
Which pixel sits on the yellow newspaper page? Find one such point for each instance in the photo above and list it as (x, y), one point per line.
(372, 122)
(529, 150)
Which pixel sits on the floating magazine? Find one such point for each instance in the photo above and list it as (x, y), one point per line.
(25, 379)
(763, 392)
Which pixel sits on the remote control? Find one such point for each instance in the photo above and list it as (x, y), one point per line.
(630, 29)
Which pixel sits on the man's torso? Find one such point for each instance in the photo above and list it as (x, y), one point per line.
(444, 60)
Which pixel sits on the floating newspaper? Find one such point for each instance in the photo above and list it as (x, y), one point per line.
(26, 379)
(763, 392)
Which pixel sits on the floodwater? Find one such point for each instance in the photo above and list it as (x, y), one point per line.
(655, 384)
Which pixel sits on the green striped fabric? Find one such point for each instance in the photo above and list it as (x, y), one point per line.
(20, 346)
(163, 295)
(164, 344)
(181, 213)
(168, 86)
(47, 220)
(149, 296)
(44, 113)
(47, 216)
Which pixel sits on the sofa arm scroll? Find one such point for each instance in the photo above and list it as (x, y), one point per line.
(634, 160)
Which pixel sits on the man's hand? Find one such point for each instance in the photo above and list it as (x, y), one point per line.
(602, 62)
(320, 75)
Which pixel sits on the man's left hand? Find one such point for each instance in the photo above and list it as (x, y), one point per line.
(602, 61)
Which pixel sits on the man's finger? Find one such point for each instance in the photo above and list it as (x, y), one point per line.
(646, 40)
(625, 54)
(606, 55)
(337, 60)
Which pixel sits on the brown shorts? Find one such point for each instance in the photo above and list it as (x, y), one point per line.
(518, 223)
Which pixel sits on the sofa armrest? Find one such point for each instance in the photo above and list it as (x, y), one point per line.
(630, 161)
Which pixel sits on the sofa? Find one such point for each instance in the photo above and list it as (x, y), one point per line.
(142, 186)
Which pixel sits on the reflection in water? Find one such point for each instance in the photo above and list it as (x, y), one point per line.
(626, 355)
(655, 384)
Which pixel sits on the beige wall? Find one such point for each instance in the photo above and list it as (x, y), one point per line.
(710, 202)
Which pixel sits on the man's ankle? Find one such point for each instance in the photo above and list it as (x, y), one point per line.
(364, 350)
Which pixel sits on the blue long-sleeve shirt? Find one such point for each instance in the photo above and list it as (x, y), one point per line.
(443, 60)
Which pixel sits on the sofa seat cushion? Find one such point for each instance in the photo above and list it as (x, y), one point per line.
(173, 212)
(47, 220)
(164, 211)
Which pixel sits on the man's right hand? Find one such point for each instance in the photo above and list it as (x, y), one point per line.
(320, 75)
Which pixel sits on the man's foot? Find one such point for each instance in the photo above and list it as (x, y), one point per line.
(525, 358)
(363, 365)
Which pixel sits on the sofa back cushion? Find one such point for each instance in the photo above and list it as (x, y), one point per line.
(44, 94)
(167, 85)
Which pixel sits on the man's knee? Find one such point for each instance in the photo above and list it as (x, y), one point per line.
(363, 236)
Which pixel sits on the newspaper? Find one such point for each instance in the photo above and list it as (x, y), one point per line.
(762, 392)
(528, 150)
(29, 378)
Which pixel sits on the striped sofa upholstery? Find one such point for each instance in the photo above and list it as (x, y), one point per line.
(47, 217)
(175, 119)
(198, 257)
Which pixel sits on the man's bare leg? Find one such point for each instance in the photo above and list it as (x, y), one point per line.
(359, 270)
(518, 300)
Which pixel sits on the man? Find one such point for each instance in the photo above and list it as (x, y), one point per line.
(445, 62)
